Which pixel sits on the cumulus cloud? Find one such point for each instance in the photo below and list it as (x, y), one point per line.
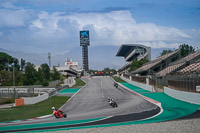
(59, 31)
(10, 18)
(113, 28)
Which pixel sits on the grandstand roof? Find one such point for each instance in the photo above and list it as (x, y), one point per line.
(156, 62)
(131, 51)
(193, 68)
(192, 56)
(170, 69)
(174, 66)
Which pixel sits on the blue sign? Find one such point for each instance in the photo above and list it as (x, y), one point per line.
(84, 38)
(84, 34)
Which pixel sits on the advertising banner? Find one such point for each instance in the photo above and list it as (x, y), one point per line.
(84, 38)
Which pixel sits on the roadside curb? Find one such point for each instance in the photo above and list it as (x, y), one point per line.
(146, 98)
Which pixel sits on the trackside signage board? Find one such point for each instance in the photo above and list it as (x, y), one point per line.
(84, 38)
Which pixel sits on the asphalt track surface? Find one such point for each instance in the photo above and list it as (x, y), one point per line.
(91, 102)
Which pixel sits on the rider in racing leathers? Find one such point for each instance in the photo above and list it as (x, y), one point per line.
(56, 112)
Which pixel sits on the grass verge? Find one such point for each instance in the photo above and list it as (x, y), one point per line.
(32, 111)
(79, 83)
(118, 79)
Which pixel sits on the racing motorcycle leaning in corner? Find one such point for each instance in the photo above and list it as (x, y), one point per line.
(58, 113)
(112, 102)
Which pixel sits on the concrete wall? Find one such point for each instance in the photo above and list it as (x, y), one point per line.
(33, 100)
(69, 81)
(143, 86)
(25, 90)
(183, 96)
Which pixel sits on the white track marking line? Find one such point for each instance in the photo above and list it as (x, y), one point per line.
(74, 94)
(102, 89)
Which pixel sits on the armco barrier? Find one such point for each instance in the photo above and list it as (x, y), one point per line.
(140, 85)
(33, 100)
(183, 96)
(19, 102)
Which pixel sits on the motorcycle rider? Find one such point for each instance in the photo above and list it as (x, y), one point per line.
(53, 108)
(115, 84)
(56, 112)
(112, 102)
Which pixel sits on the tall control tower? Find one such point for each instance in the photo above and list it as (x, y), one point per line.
(85, 42)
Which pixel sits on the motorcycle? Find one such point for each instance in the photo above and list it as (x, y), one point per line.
(59, 114)
(115, 84)
(112, 103)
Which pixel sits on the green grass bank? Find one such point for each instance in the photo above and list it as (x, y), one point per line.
(32, 111)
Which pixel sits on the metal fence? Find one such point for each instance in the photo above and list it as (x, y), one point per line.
(182, 82)
(9, 94)
(16, 92)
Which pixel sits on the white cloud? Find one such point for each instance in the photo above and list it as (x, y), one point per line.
(10, 18)
(59, 31)
(113, 28)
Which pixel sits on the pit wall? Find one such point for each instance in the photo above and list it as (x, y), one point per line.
(183, 96)
(33, 100)
(140, 85)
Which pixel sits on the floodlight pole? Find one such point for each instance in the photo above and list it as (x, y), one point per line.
(14, 78)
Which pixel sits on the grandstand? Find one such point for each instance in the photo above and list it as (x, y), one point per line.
(170, 71)
(158, 64)
(177, 65)
(133, 51)
(192, 68)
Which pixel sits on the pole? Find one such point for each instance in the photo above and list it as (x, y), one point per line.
(14, 78)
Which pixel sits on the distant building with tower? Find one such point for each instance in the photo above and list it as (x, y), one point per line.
(71, 69)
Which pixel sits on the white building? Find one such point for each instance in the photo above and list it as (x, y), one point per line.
(71, 69)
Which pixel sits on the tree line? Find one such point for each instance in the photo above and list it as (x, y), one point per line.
(24, 72)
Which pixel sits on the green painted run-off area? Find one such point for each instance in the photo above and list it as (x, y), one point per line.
(71, 90)
(172, 108)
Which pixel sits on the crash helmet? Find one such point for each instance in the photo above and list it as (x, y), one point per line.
(53, 108)
(109, 99)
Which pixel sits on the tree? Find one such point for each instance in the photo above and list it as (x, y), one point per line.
(7, 78)
(5, 61)
(30, 74)
(55, 74)
(16, 64)
(135, 64)
(185, 49)
(45, 71)
(164, 52)
(23, 63)
(44, 74)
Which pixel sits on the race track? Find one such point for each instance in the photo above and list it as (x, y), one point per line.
(91, 103)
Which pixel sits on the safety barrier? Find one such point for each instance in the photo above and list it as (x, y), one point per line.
(140, 85)
(19, 102)
(33, 100)
(183, 96)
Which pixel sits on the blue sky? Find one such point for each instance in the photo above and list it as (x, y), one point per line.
(43, 26)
